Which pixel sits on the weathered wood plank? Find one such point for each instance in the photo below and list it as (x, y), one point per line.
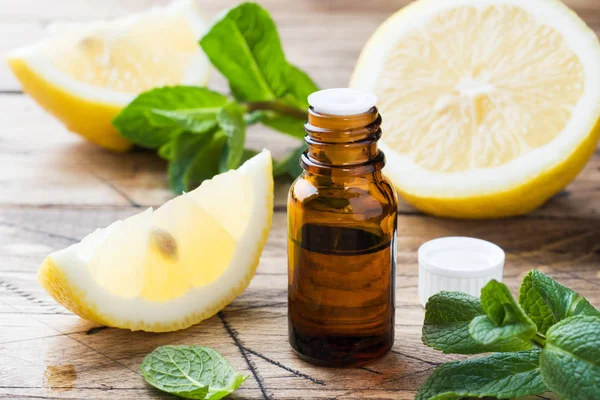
(303, 25)
(329, 62)
(77, 173)
(255, 323)
(56, 189)
(259, 315)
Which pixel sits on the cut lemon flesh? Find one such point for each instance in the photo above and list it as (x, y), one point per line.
(173, 267)
(85, 74)
(483, 101)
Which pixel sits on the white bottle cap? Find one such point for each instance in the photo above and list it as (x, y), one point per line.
(342, 101)
(458, 264)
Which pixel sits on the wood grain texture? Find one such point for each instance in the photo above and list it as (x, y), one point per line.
(56, 188)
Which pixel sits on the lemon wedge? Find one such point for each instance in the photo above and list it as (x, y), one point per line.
(85, 74)
(490, 107)
(170, 268)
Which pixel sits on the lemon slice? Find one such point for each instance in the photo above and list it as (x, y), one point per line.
(490, 107)
(85, 74)
(173, 267)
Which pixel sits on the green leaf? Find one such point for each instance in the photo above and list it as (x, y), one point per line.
(206, 164)
(570, 361)
(446, 326)
(299, 87)
(285, 124)
(231, 121)
(254, 117)
(290, 165)
(185, 150)
(548, 302)
(501, 375)
(245, 47)
(156, 117)
(248, 154)
(504, 318)
(166, 151)
(194, 120)
(191, 372)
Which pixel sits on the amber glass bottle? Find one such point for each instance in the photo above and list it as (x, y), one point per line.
(342, 218)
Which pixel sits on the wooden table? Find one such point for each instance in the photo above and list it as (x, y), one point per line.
(56, 188)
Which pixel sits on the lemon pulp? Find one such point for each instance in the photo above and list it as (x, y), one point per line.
(490, 107)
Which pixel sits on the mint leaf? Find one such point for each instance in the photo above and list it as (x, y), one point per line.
(253, 117)
(548, 302)
(446, 326)
(501, 375)
(570, 361)
(231, 121)
(191, 372)
(245, 47)
(156, 117)
(299, 87)
(184, 151)
(534, 305)
(207, 161)
(248, 154)
(166, 151)
(283, 123)
(504, 318)
(290, 165)
(194, 120)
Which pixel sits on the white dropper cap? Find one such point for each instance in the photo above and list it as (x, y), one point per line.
(459, 264)
(342, 101)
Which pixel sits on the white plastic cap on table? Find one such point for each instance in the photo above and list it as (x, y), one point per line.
(342, 101)
(459, 264)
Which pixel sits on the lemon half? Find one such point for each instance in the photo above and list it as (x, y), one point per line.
(85, 74)
(490, 107)
(170, 268)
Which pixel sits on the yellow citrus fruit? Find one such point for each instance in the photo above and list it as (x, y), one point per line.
(173, 267)
(490, 107)
(85, 74)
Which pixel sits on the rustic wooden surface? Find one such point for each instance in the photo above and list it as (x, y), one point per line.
(55, 188)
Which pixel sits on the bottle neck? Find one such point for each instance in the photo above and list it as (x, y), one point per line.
(343, 144)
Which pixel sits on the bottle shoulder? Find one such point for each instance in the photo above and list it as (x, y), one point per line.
(368, 196)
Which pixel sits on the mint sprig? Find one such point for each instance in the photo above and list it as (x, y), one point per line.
(502, 375)
(446, 327)
(559, 326)
(504, 318)
(201, 132)
(548, 302)
(191, 372)
(570, 361)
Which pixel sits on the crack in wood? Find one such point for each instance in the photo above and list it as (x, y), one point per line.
(280, 208)
(379, 384)
(30, 230)
(234, 336)
(267, 305)
(69, 335)
(97, 329)
(21, 293)
(41, 337)
(112, 186)
(416, 358)
(371, 370)
(280, 365)
(103, 387)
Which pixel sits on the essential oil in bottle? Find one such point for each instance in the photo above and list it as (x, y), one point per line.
(342, 221)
